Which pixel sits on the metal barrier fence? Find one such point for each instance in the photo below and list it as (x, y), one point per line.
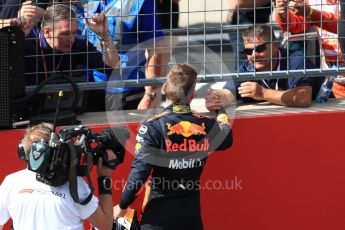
(198, 38)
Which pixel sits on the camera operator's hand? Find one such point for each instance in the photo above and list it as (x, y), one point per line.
(103, 170)
(102, 218)
(118, 212)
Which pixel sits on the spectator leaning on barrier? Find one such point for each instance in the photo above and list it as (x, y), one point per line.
(34, 205)
(171, 150)
(55, 48)
(263, 54)
(299, 16)
(135, 27)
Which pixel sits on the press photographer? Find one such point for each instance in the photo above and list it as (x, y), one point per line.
(51, 193)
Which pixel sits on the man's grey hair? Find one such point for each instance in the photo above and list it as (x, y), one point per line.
(56, 13)
(263, 31)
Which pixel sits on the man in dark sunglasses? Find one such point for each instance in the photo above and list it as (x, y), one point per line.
(263, 54)
(259, 48)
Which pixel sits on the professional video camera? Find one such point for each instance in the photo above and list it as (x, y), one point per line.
(72, 152)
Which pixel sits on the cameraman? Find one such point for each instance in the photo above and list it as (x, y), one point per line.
(35, 205)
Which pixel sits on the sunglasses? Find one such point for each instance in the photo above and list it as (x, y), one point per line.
(260, 48)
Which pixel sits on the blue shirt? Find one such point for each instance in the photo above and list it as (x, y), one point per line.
(294, 62)
(83, 54)
(139, 26)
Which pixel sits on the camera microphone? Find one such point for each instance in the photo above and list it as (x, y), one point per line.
(57, 110)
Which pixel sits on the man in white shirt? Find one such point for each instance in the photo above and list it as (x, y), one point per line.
(34, 205)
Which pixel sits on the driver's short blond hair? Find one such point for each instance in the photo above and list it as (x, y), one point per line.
(180, 83)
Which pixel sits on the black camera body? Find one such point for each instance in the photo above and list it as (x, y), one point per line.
(75, 148)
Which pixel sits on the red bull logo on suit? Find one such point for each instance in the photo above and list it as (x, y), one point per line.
(187, 129)
(187, 146)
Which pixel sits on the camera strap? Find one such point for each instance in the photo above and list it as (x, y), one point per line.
(73, 183)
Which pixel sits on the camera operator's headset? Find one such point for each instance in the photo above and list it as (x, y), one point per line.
(44, 149)
(40, 146)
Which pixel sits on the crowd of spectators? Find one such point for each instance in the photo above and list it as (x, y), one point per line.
(299, 16)
(105, 40)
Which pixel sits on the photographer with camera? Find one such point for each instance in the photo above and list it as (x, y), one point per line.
(35, 205)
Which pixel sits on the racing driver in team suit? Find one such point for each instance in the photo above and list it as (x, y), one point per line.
(170, 153)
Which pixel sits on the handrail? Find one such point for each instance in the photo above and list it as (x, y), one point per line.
(211, 29)
(208, 78)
